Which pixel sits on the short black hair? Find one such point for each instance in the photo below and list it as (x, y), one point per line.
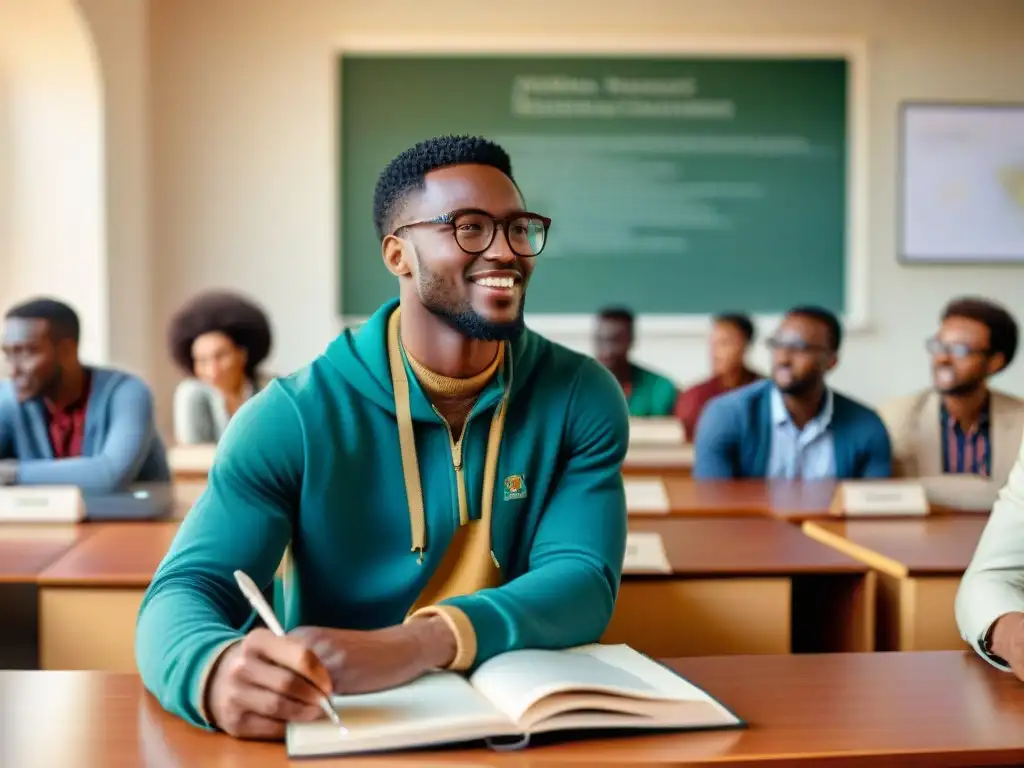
(827, 318)
(739, 321)
(1002, 328)
(622, 314)
(238, 318)
(407, 172)
(63, 320)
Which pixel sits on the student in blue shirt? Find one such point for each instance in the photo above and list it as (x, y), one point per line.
(793, 426)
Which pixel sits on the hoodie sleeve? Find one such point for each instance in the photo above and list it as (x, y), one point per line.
(193, 610)
(567, 595)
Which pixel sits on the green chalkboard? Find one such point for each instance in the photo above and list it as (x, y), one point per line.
(675, 186)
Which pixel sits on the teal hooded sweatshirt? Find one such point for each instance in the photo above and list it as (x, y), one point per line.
(312, 465)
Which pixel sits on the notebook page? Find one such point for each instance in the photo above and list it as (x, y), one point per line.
(653, 674)
(436, 708)
(514, 681)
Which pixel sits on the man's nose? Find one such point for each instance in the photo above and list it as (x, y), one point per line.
(500, 251)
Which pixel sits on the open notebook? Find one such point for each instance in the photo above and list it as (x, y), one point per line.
(509, 697)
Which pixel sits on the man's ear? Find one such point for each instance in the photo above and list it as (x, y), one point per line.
(996, 363)
(394, 250)
(66, 350)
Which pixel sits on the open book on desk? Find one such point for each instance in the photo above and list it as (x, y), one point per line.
(590, 688)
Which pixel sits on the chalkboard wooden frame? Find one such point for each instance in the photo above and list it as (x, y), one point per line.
(573, 327)
(903, 257)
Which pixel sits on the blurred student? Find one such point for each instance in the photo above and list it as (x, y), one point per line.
(218, 339)
(65, 423)
(647, 393)
(731, 337)
(793, 427)
(960, 425)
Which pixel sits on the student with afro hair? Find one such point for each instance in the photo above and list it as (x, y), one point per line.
(218, 339)
(446, 483)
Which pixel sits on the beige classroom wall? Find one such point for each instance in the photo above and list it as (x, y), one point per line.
(241, 131)
(121, 39)
(52, 186)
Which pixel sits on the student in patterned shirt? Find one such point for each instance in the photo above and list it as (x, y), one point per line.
(961, 426)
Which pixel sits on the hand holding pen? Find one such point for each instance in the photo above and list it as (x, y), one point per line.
(266, 680)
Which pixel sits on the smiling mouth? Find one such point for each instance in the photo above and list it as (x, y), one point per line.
(506, 283)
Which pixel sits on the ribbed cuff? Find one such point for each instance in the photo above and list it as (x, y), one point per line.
(460, 625)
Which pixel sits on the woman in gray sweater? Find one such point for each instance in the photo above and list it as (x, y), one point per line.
(218, 339)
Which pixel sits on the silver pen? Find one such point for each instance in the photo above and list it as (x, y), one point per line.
(259, 603)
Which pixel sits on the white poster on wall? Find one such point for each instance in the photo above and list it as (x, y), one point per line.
(962, 186)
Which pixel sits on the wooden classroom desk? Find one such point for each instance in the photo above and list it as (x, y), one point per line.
(740, 585)
(793, 501)
(25, 551)
(922, 710)
(920, 562)
(90, 597)
(743, 585)
(786, 500)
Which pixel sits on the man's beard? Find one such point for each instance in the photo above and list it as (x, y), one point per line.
(962, 388)
(799, 387)
(435, 295)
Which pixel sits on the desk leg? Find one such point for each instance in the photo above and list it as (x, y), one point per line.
(702, 617)
(90, 629)
(19, 637)
(915, 613)
(834, 613)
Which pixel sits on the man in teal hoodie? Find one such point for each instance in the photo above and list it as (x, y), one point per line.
(439, 487)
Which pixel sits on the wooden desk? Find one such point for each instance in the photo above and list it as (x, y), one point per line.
(25, 551)
(920, 562)
(793, 501)
(744, 585)
(90, 597)
(926, 709)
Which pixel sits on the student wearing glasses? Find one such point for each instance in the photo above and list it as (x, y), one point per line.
(793, 426)
(447, 484)
(960, 426)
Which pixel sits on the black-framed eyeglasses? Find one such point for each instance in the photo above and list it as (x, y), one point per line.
(526, 233)
(793, 345)
(956, 349)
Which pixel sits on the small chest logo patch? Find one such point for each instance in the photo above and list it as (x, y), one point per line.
(515, 488)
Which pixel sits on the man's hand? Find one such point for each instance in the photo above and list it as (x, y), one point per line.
(1008, 641)
(262, 682)
(361, 662)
